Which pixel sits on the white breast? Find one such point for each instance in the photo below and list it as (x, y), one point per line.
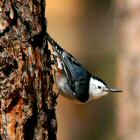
(65, 88)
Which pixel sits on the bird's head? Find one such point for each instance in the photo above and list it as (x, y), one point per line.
(98, 88)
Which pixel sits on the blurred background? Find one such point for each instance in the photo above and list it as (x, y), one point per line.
(104, 35)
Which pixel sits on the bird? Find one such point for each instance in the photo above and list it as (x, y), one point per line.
(73, 80)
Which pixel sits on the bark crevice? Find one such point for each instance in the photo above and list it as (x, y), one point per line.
(26, 95)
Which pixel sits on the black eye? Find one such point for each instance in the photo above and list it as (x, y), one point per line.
(99, 87)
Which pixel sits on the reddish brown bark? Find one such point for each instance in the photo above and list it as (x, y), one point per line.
(26, 96)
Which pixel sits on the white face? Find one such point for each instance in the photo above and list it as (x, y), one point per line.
(96, 89)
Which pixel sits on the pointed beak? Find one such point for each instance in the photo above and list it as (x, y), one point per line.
(112, 90)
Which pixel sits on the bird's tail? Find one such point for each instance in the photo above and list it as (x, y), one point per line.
(55, 45)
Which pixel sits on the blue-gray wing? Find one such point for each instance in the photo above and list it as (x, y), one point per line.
(77, 75)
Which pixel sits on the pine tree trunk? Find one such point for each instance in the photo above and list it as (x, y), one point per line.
(26, 96)
(128, 28)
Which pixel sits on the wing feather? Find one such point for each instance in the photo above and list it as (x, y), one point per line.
(78, 76)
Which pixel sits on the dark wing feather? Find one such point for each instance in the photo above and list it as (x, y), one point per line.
(78, 76)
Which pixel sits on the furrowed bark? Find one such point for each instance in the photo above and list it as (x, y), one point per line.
(26, 96)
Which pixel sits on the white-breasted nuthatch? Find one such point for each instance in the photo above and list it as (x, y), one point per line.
(74, 81)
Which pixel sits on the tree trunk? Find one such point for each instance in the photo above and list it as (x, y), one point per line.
(26, 96)
(128, 28)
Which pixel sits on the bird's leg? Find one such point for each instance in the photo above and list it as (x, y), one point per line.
(57, 71)
(53, 60)
(55, 96)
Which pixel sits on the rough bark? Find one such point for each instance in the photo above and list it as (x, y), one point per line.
(128, 29)
(26, 96)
